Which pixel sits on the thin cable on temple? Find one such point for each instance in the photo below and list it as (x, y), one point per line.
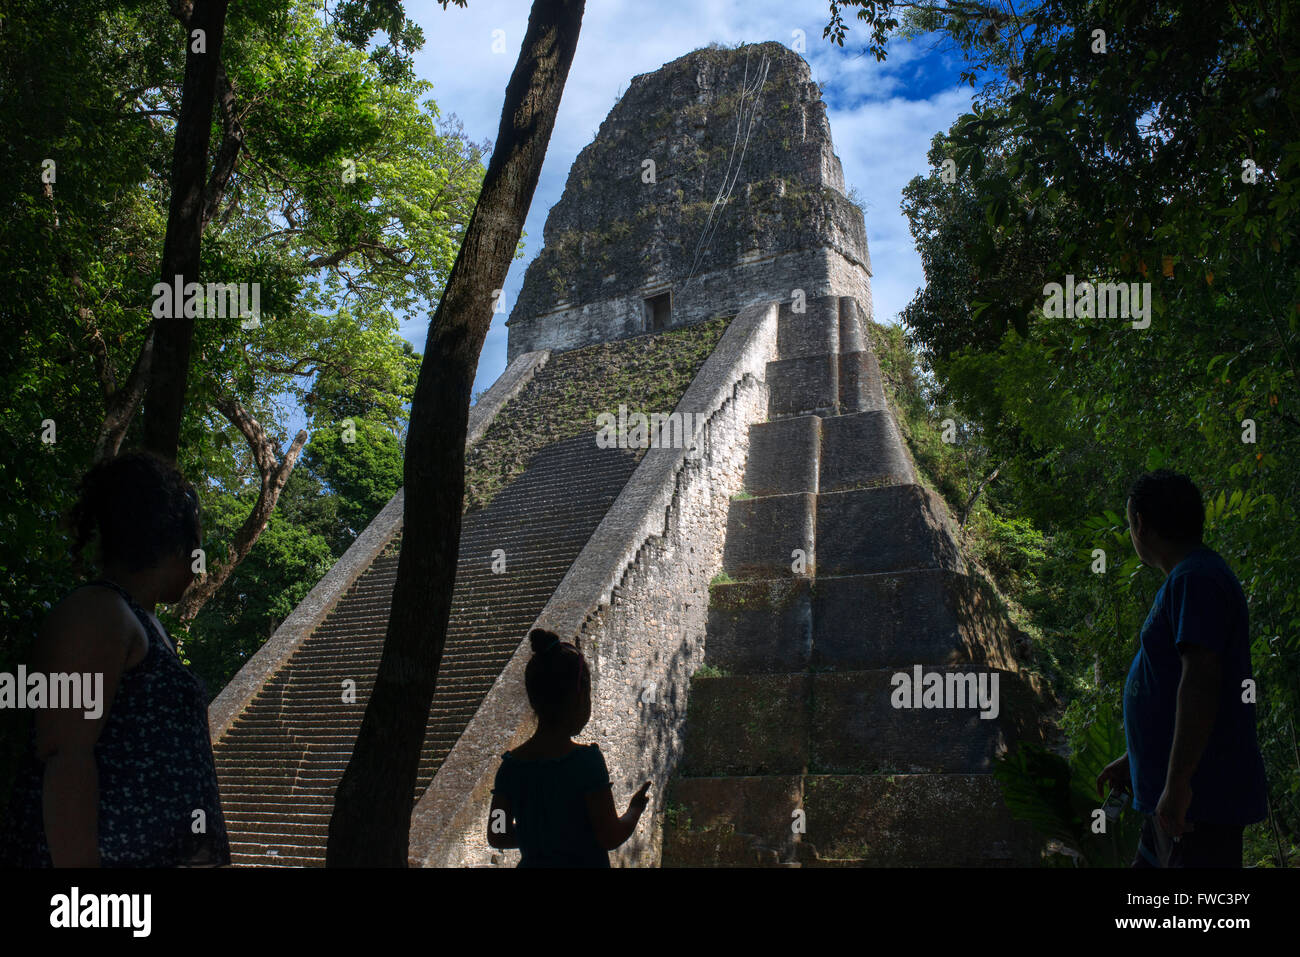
(728, 184)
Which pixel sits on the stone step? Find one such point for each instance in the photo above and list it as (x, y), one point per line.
(747, 724)
(846, 723)
(856, 729)
(731, 821)
(806, 385)
(856, 622)
(891, 619)
(813, 332)
(762, 534)
(871, 820)
(282, 853)
(862, 450)
(860, 388)
(760, 626)
(912, 820)
(784, 456)
(893, 528)
(315, 826)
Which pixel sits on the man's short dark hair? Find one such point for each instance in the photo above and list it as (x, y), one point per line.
(1170, 504)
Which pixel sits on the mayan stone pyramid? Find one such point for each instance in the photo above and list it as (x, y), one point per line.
(752, 607)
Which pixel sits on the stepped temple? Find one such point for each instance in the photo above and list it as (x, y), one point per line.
(784, 634)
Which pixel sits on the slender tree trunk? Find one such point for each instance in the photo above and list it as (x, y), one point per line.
(970, 502)
(169, 369)
(372, 808)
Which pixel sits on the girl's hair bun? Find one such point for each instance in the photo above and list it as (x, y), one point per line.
(553, 677)
(543, 641)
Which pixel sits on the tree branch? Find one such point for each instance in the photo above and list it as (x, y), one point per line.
(274, 473)
(970, 503)
(125, 402)
(232, 144)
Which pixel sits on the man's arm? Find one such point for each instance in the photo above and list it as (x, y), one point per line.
(1198, 705)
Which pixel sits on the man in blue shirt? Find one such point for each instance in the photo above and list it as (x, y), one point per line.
(1193, 763)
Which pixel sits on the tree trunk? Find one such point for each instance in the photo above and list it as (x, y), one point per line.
(970, 502)
(371, 822)
(169, 369)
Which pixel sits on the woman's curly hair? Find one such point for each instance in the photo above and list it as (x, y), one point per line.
(142, 508)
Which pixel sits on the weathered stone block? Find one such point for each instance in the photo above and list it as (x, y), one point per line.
(760, 626)
(889, 529)
(747, 724)
(803, 386)
(874, 621)
(813, 332)
(853, 321)
(784, 456)
(763, 532)
(862, 451)
(857, 730)
(860, 388)
(948, 820)
(735, 821)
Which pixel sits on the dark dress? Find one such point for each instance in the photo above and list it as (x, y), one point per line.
(156, 770)
(548, 802)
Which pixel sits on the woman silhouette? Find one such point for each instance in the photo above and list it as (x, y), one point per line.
(135, 786)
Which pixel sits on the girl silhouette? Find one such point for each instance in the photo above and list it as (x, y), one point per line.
(552, 797)
(137, 785)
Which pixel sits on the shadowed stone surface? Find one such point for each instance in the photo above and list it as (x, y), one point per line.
(803, 386)
(856, 729)
(748, 724)
(784, 456)
(763, 532)
(760, 626)
(896, 619)
(732, 822)
(888, 529)
(910, 820)
(859, 383)
(861, 451)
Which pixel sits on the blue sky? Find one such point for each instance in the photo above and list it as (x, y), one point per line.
(882, 115)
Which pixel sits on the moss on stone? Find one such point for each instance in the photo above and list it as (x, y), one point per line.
(646, 373)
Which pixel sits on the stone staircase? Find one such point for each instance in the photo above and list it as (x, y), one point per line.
(281, 761)
(794, 753)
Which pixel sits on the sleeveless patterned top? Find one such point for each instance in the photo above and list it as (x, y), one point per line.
(156, 771)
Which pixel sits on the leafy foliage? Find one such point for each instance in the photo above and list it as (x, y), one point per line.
(347, 207)
(1162, 152)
